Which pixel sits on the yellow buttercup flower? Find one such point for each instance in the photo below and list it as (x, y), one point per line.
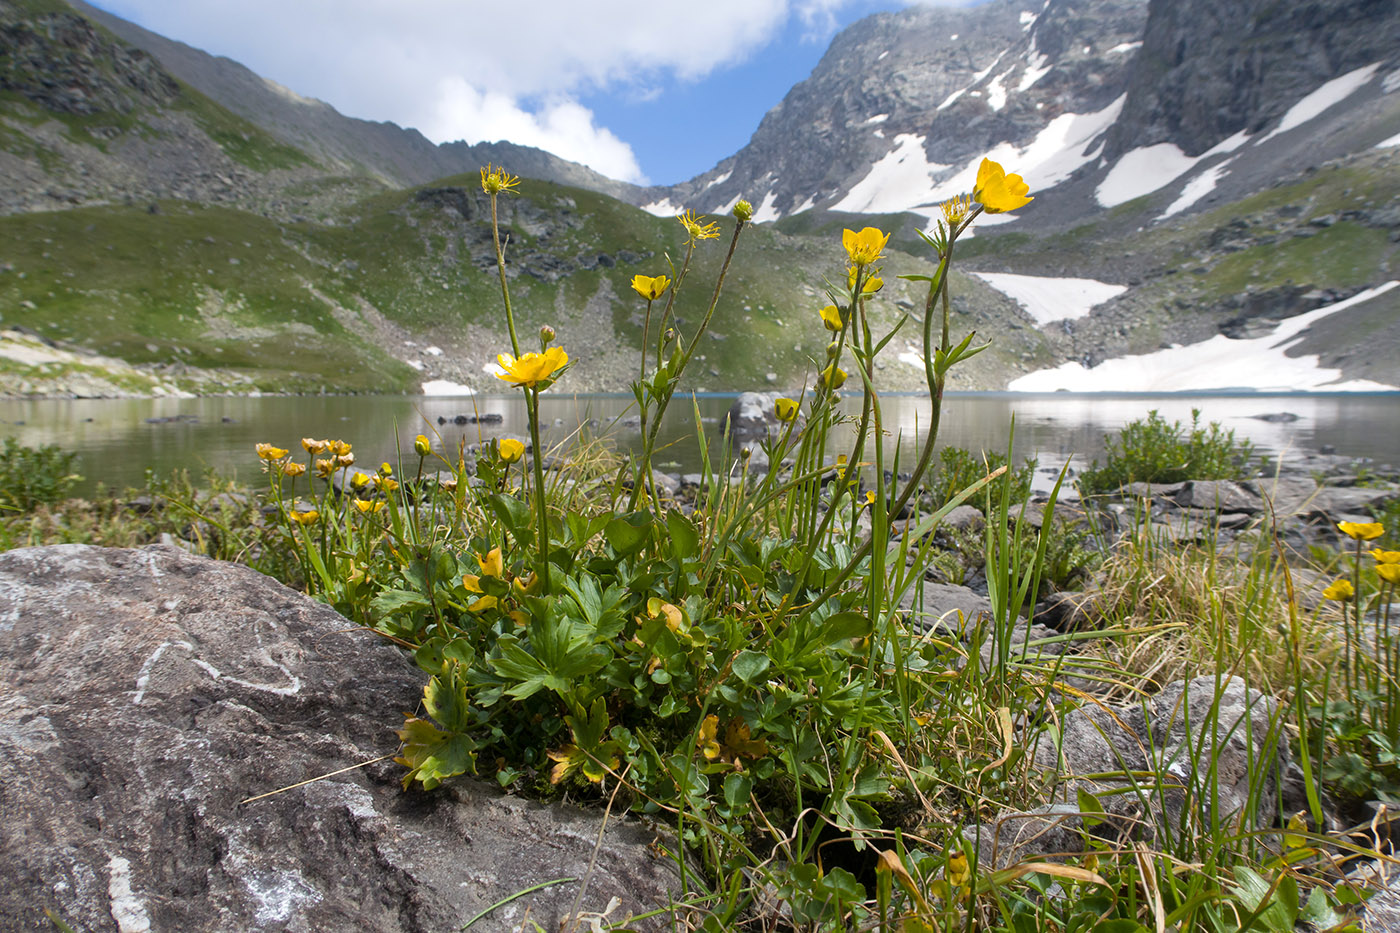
(833, 377)
(368, 505)
(785, 409)
(339, 448)
(955, 210)
(308, 517)
(650, 287)
(359, 480)
(386, 483)
(496, 180)
(422, 446)
(696, 230)
(1340, 590)
(864, 247)
(268, 452)
(345, 460)
(997, 191)
(511, 449)
(957, 870)
(324, 468)
(1361, 531)
(492, 565)
(1386, 557)
(872, 284)
(292, 469)
(1390, 573)
(831, 317)
(313, 446)
(530, 369)
(386, 469)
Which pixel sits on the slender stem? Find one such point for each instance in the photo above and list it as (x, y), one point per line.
(532, 401)
(501, 269)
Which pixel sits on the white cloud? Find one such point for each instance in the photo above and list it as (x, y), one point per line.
(561, 126)
(478, 70)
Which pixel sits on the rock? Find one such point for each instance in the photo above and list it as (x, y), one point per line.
(946, 607)
(1153, 490)
(1069, 612)
(1336, 503)
(1211, 749)
(1286, 493)
(751, 417)
(1221, 495)
(963, 518)
(145, 695)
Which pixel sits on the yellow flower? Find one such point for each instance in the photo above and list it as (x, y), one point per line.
(496, 180)
(386, 483)
(511, 449)
(422, 446)
(386, 469)
(650, 287)
(339, 448)
(309, 517)
(831, 318)
(708, 738)
(785, 409)
(955, 210)
(864, 247)
(1386, 557)
(997, 191)
(531, 368)
(833, 377)
(957, 870)
(873, 283)
(366, 505)
(293, 469)
(345, 460)
(358, 480)
(1390, 573)
(1340, 590)
(1361, 531)
(268, 452)
(325, 468)
(492, 564)
(870, 497)
(313, 446)
(695, 230)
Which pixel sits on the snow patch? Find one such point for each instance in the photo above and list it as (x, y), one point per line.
(718, 180)
(1320, 100)
(1036, 68)
(1387, 143)
(878, 118)
(996, 93)
(1027, 18)
(1047, 299)
(662, 208)
(416, 364)
(443, 387)
(1391, 82)
(900, 178)
(1123, 49)
(1219, 363)
(806, 205)
(726, 208)
(1142, 171)
(1197, 188)
(766, 211)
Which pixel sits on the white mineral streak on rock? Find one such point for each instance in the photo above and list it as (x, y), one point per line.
(127, 909)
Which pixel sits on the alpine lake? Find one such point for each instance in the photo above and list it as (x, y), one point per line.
(120, 440)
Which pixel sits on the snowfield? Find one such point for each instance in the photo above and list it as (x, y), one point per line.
(1048, 299)
(1219, 363)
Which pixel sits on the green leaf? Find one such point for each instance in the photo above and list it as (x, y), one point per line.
(395, 602)
(683, 535)
(515, 515)
(628, 533)
(749, 666)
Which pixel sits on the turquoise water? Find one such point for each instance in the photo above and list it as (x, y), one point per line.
(118, 443)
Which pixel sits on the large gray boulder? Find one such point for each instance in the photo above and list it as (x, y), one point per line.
(146, 694)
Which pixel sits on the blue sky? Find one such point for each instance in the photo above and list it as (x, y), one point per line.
(649, 91)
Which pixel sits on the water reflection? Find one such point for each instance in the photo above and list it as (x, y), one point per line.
(120, 439)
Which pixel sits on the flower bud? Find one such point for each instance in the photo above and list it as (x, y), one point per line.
(743, 211)
(547, 335)
(670, 334)
(422, 446)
